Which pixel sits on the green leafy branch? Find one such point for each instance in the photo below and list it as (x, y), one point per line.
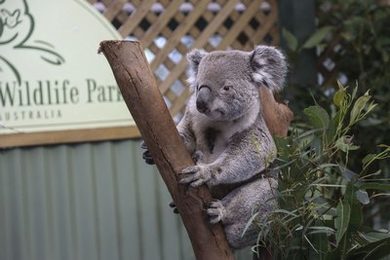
(320, 214)
(313, 41)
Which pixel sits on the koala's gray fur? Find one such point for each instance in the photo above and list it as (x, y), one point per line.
(224, 130)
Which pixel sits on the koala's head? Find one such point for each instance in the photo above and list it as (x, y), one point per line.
(226, 82)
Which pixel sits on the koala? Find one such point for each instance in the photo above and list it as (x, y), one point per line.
(226, 134)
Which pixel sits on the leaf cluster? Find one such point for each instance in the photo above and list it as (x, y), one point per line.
(352, 41)
(321, 200)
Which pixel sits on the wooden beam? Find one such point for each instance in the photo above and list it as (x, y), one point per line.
(143, 98)
(68, 136)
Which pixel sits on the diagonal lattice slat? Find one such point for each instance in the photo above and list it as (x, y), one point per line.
(170, 29)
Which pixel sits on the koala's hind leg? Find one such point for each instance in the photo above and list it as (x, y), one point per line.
(241, 203)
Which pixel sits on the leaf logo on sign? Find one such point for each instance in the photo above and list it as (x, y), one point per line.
(17, 32)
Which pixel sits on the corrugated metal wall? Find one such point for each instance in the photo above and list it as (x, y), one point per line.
(86, 201)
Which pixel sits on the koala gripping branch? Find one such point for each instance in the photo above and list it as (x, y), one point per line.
(145, 103)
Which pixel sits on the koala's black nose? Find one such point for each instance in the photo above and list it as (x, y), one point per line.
(203, 98)
(201, 105)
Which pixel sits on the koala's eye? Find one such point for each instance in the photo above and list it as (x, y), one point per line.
(227, 87)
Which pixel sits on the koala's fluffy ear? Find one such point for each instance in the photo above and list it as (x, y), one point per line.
(269, 67)
(194, 57)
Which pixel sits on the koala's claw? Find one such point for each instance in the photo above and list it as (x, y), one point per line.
(173, 206)
(197, 156)
(194, 180)
(194, 176)
(197, 183)
(190, 169)
(147, 158)
(146, 155)
(216, 211)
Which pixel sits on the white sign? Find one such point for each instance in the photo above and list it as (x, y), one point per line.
(51, 77)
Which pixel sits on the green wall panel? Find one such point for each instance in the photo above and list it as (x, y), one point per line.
(86, 201)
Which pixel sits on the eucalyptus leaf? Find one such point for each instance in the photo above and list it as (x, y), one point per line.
(317, 116)
(340, 85)
(328, 165)
(317, 37)
(349, 194)
(375, 186)
(368, 158)
(339, 97)
(342, 219)
(374, 236)
(331, 132)
(358, 107)
(372, 250)
(356, 216)
(291, 40)
(311, 244)
(354, 92)
(250, 221)
(345, 145)
(321, 229)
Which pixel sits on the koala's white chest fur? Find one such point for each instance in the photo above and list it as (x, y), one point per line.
(212, 137)
(211, 140)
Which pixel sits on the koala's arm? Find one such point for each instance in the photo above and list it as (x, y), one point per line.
(185, 131)
(248, 154)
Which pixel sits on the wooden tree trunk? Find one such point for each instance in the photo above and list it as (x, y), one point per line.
(144, 100)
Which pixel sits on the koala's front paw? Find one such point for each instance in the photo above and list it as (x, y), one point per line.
(195, 175)
(216, 211)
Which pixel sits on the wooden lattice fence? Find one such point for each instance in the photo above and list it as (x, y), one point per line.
(169, 29)
(328, 73)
